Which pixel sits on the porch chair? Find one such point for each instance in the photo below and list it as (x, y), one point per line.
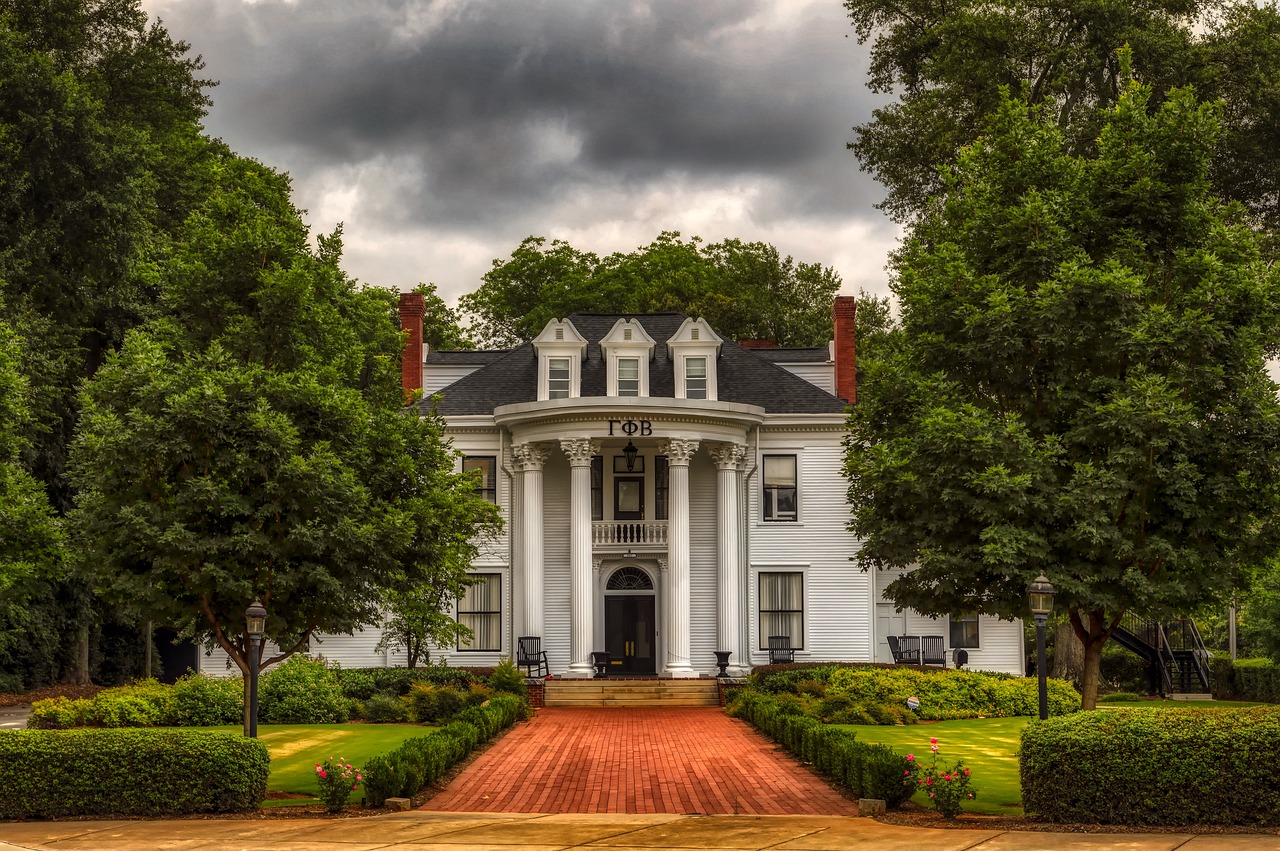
(780, 650)
(531, 656)
(902, 655)
(932, 650)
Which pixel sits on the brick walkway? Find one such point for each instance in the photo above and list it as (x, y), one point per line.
(686, 761)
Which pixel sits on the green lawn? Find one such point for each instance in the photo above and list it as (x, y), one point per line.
(989, 747)
(296, 748)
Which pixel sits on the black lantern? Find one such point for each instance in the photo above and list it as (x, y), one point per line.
(630, 452)
(255, 624)
(1040, 594)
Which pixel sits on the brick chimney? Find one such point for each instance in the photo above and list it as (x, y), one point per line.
(843, 313)
(758, 344)
(412, 306)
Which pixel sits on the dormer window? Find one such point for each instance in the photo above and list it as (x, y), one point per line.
(694, 349)
(628, 348)
(560, 351)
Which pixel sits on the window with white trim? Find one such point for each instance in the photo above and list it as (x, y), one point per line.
(964, 630)
(558, 378)
(480, 610)
(695, 378)
(780, 488)
(628, 376)
(782, 607)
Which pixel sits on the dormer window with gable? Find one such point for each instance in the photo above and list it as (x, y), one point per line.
(694, 349)
(560, 351)
(628, 349)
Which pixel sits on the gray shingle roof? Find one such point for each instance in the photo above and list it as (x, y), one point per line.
(744, 375)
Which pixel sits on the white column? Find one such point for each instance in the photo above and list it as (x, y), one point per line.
(530, 457)
(679, 453)
(580, 450)
(728, 456)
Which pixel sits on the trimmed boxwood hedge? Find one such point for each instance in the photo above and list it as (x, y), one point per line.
(423, 760)
(866, 770)
(1246, 679)
(45, 774)
(1172, 767)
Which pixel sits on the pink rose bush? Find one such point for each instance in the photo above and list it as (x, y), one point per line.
(337, 779)
(948, 785)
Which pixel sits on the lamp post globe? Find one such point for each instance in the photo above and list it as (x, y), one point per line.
(1040, 598)
(255, 625)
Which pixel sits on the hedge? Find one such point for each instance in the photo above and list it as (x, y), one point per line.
(1173, 767)
(422, 760)
(1246, 679)
(867, 771)
(364, 683)
(47, 774)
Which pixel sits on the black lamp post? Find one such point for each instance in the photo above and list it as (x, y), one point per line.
(1041, 594)
(629, 452)
(255, 620)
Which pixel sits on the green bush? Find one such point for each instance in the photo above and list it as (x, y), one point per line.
(301, 691)
(943, 694)
(506, 677)
(867, 771)
(423, 760)
(385, 709)
(364, 683)
(1246, 679)
(1173, 767)
(201, 701)
(129, 772)
(1121, 697)
(121, 710)
(432, 704)
(58, 713)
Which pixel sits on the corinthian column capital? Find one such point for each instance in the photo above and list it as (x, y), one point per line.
(530, 456)
(579, 449)
(679, 452)
(728, 455)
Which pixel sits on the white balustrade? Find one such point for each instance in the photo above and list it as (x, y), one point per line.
(629, 532)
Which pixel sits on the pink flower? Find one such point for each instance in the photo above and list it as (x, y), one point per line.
(910, 758)
(946, 777)
(970, 794)
(933, 741)
(906, 772)
(966, 772)
(930, 794)
(934, 748)
(322, 774)
(929, 780)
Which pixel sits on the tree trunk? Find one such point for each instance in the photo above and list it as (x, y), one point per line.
(1091, 675)
(1068, 654)
(79, 675)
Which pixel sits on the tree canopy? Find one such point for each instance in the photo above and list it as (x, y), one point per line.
(746, 290)
(1077, 386)
(947, 61)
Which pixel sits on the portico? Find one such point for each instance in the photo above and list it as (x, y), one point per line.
(638, 519)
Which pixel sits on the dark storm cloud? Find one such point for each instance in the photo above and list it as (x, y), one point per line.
(480, 107)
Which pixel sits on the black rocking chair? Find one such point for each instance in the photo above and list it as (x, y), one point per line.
(531, 656)
(932, 650)
(780, 649)
(902, 655)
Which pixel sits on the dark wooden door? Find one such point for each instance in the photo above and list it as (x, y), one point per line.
(628, 498)
(630, 634)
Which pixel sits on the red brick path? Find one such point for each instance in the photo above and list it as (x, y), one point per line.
(614, 760)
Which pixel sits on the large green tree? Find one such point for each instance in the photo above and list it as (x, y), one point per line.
(252, 441)
(946, 61)
(1077, 386)
(746, 290)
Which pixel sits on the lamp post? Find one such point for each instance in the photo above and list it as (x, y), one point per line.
(255, 623)
(1041, 594)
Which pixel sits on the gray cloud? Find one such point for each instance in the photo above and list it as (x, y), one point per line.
(480, 122)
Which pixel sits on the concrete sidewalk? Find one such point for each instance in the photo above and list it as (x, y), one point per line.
(425, 831)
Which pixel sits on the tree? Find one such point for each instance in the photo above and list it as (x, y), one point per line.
(252, 442)
(746, 290)
(947, 62)
(1077, 387)
(440, 326)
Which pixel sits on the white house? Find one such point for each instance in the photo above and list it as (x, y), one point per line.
(666, 494)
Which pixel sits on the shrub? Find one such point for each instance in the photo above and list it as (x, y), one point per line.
(385, 709)
(336, 779)
(507, 678)
(363, 683)
(422, 760)
(120, 710)
(57, 713)
(1121, 697)
(867, 771)
(947, 694)
(201, 701)
(947, 785)
(430, 704)
(1173, 767)
(1246, 679)
(477, 693)
(301, 691)
(129, 772)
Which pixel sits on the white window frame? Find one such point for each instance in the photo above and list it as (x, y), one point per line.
(781, 452)
(695, 339)
(687, 361)
(762, 636)
(618, 348)
(562, 363)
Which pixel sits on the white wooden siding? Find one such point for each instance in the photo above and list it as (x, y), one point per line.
(436, 377)
(821, 375)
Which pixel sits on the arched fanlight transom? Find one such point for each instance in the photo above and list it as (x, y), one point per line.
(629, 579)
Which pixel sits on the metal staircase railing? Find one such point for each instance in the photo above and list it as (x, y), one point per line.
(1176, 650)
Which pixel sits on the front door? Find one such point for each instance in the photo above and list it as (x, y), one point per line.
(628, 498)
(888, 622)
(630, 634)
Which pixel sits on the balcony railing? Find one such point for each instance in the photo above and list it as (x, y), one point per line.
(629, 532)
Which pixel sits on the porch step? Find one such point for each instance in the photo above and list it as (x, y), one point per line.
(1190, 696)
(622, 692)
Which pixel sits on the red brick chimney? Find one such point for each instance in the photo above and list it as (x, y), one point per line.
(843, 313)
(412, 307)
(758, 344)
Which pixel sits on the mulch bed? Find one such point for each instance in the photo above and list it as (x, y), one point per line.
(46, 692)
(914, 815)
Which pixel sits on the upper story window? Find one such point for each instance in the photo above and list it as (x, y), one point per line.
(695, 378)
(485, 469)
(694, 349)
(560, 351)
(558, 378)
(627, 350)
(780, 487)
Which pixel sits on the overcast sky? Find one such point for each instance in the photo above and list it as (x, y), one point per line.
(443, 133)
